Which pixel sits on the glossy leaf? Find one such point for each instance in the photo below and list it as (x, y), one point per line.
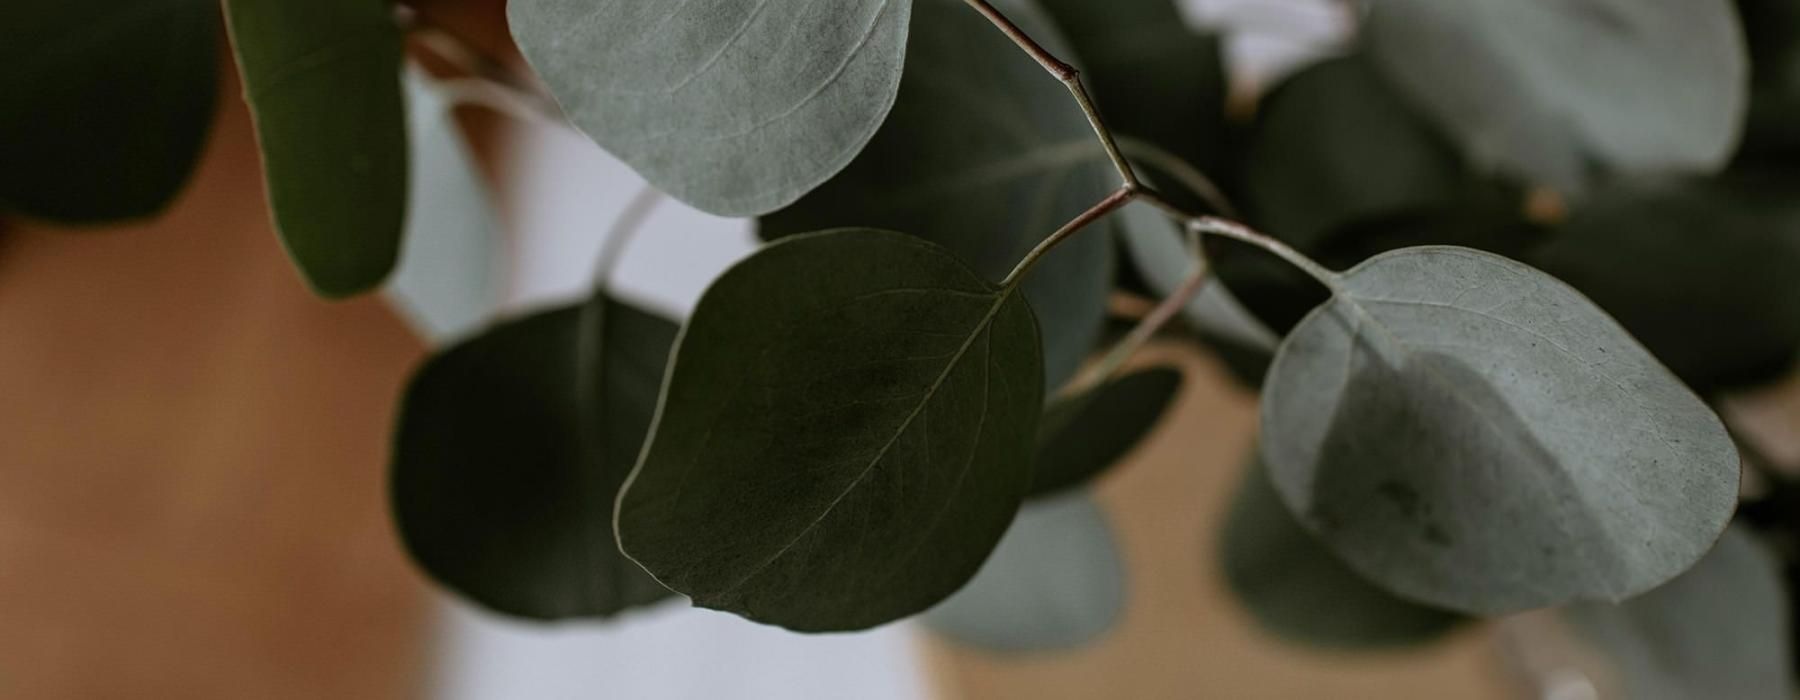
(106, 105)
(323, 82)
(1080, 436)
(448, 281)
(1297, 589)
(1056, 582)
(504, 474)
(1157, 80)
(986, 155)
(734, 106)
(1562, 92)
(845, 434)
(1470, 433)
(1718, 631)
(1334, 145)
(1702, 271)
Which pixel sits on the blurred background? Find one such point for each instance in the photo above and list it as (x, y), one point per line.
(193, 448)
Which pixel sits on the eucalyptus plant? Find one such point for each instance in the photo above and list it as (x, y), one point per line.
(1487, 265)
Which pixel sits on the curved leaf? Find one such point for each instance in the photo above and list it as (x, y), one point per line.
(1296, 588)
(1560, 92)
(985, 155)
(503, 481)
(323, 82)
(1080, 436)
(1055, 582)
(1718, 631)
(1470, 433)
(107, 104)
(845, 433)
(737, 107)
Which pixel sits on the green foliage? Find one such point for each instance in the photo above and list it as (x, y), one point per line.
(1082, 435)
(844, 434)
(1471, 433)
(738, 109)
(323, 81)
(509, 449)
(105, 105)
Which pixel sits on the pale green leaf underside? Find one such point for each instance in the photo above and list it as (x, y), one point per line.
(845, 432)
(737, 107)
(1474, 434)
(323, 81)
(1055, 582)
(1555, 91)
(985, 155)
(1154, 245)
(1721, 630)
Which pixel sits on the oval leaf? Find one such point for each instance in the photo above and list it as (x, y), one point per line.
(1718, 631)
(1559, 92)
(323, 82)
(1296, 588)
(504, 474)
(1471, 433)
(845, 434)
(1080, 436)
(1056, 582)
(737, 107)
(936, 171)
(107, 104)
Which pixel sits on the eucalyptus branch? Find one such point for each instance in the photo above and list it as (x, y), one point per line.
(1147, 327)
(1184, 173)
(1119, 198)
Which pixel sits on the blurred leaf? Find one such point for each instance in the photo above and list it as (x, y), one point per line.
(1334, 145)
(1701, 271)
(1296, 588)
(1469, 433)
(1155, 78)
(1163, 260)
(845, 434)
(106, 105)
(985, 155)
(323, 81)
(736, 107)
(448, 281)
(504, 473)
(1054, 583)
(1080, 436)
(1560, 93)
(1772, 30)
(1718, 631)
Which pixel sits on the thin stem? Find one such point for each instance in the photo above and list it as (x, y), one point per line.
(1120, 197)
(1187, 175)
(1239, 232)
(631, 219)
(1070, 79)
(1147, 327)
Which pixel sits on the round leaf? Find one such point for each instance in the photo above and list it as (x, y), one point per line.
(1080, 436)
(1559, 92)
(737, 107)
(985, 155)
(323, 81)
(1471, 433)
(1718, 631)
(106, 104)
(1296, 588)
(504, 474)
(1055, 582)
(845, 434)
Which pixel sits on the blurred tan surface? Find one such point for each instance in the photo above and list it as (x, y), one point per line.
(192, 454)
(1182, 635)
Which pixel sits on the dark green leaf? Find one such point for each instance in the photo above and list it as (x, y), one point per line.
(1718, 631)
(736, 107)
(1056, 582)
(986, 155)
(1561, 92)
(106, 104)
(504, 475)
(1703, 272)
(845, 434)
(323, 81)
(1080, 436)
(1772, 29)
(1296, 588)
(1471, 433)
